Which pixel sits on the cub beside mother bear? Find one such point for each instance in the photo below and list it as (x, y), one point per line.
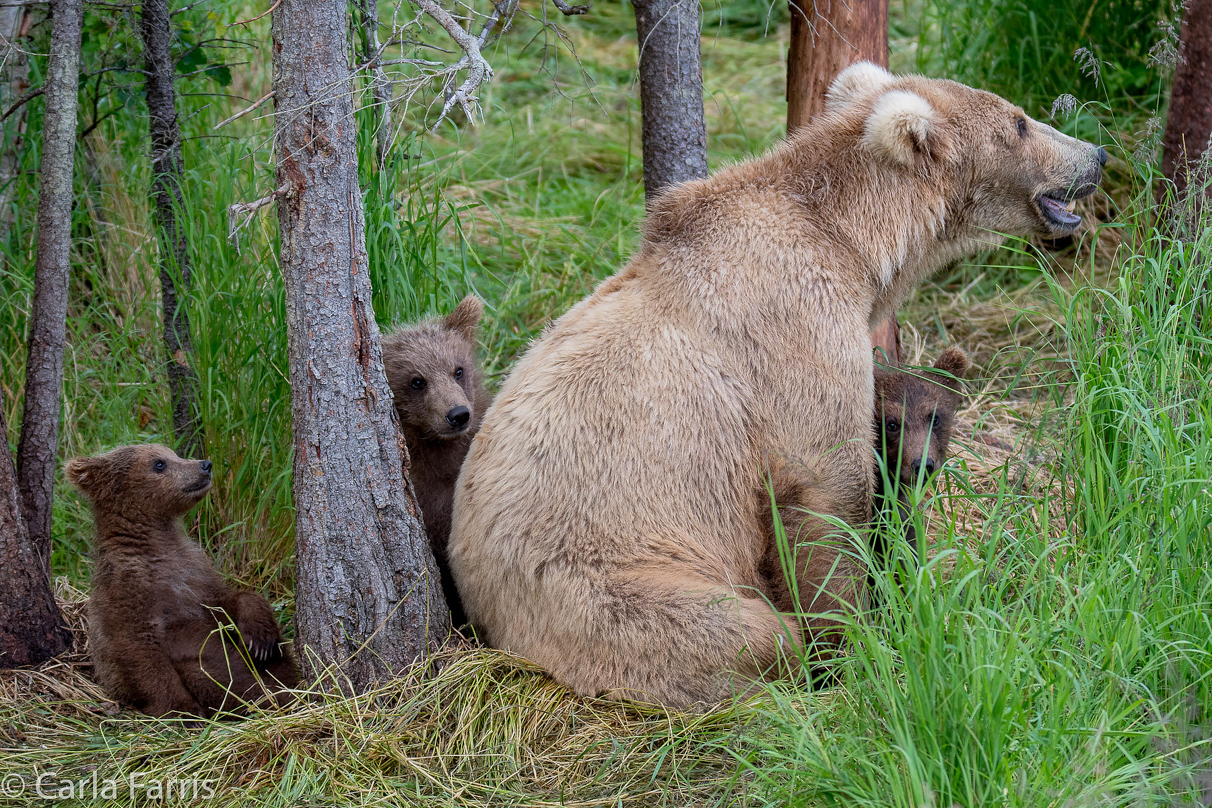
(608, 521)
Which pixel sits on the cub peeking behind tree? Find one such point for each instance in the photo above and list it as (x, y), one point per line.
(440, 398)
(913, 417)
(159, 616)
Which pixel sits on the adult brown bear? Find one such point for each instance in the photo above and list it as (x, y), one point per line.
(607, 520)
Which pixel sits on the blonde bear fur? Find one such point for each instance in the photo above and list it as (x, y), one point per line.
(608, 520)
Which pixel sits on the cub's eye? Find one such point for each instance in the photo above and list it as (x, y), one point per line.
(1021, 125)
(891, 426)
(159, 465)
(458, 373)
(418, 383)
(936, 421)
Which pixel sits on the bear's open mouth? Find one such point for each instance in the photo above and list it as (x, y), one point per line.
(1056, 207)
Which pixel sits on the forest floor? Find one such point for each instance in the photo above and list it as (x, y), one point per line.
(1054, 653)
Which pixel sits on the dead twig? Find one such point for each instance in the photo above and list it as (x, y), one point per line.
(248, 210)
(259, 16)
(246, 110)
(570, 11)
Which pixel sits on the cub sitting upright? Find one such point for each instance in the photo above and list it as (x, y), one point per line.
(440, 398)
(913, 416)
(157, 602)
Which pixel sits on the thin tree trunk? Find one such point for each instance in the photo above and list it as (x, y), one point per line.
(671, 93)
(366, 578)
(31, 627)
(167, 169)
(380, 87)
(14, 81)
(48, 318)
(827, 36)
(1189, 121)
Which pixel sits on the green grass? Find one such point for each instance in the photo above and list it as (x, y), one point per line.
(1055, 651)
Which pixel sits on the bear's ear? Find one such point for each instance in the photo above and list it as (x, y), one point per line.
(466, 317)
(83, 472)
(905, 129)
(856, 81)
(954, 362)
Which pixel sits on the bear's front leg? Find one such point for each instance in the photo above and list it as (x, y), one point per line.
(258, 627)
(814, 570)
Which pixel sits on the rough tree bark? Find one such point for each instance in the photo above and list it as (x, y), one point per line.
(31, 627)
(366, 579)
(1189, 121)
(48, 316)
(167, 168)
(671, 93)
(826, 37)
(14, 81)
(380, 87)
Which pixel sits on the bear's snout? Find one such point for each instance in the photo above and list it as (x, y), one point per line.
(458, 417)
(917, 467)
(205, 465)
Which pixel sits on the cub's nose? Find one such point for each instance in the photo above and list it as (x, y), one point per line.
(205, 466)
(458, 417)
(917, 467)
(1101, 155)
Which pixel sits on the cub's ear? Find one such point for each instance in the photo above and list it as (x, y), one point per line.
(954, 362)
(466, 317)
(83, 472)
(905, 129)
(856, 81)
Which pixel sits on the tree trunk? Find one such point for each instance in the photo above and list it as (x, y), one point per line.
(167, 168)
(380, 87)
(826, 37)
(671, 93)
(31, 628)
(1189, 121)
(14, 81)
(366, 579)
(48, 318)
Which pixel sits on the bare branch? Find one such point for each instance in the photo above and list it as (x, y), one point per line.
(248, 210)
(270, 10)
(570, 11)
(246, 110)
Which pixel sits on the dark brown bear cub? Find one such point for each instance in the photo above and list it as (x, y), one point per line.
(158, 605)
(440, 398)
(913, 415)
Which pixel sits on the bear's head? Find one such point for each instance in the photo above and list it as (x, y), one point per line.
(1004, 174)
(432, 370)
(913, 415)
(144, 483)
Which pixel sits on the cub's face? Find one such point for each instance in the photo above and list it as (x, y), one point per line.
(1002, 172)
(432, 371)
(913, 417)
(146, 481)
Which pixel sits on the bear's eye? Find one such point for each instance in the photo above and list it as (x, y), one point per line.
(936, 421)
(418, 383)
(1021, 125)
(458, 373)
(159, 465)
(891, 426)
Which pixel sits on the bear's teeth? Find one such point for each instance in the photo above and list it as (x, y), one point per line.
(1072, 204)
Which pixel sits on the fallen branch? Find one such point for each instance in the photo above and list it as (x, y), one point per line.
(246, 110)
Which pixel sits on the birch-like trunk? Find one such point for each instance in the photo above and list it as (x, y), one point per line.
(14, 81)
(167, 169)
(671, 93)
(48, 316)
(366, 579)
(31, 628)
(380, 85)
